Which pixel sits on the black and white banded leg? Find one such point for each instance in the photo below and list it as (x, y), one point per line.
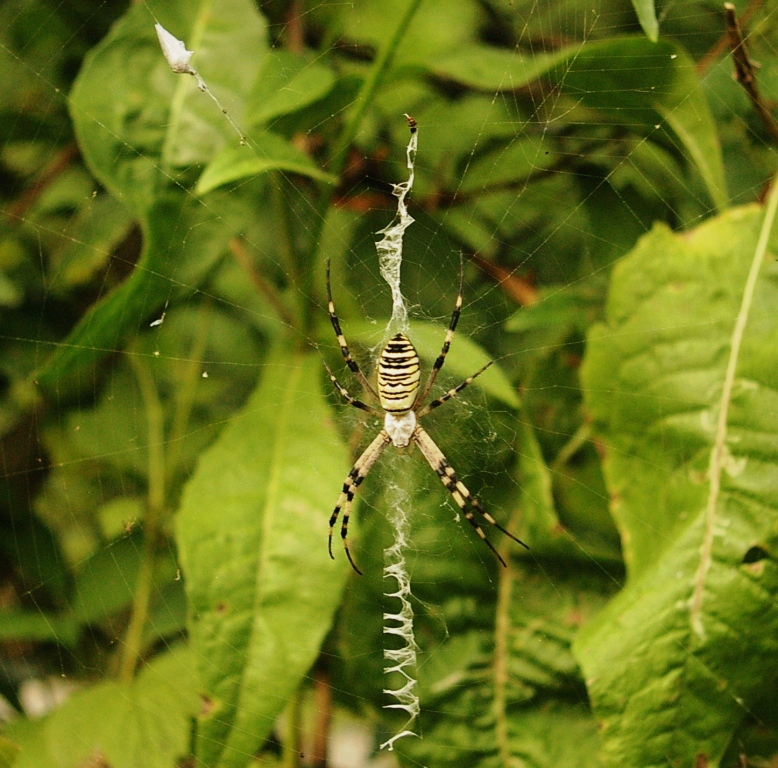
(346, 396)
(350, 362)
(459, 492)
(452, 326)
(452, 392)
(353, 480)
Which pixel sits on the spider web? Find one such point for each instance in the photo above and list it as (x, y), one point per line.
(81, 466)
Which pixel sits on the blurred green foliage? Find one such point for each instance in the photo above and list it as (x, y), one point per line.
(171, 449)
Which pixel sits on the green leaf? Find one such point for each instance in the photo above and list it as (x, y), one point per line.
(465, 358)
(539, 525)
(105, 583)
(96, 232)
(435, 29)
(680, 656)
(286, 83)
(560, 307)
(252, 531)
(635, 81)
(124, 725)
(37, 625)
(137, 121)
(508, 164)
(489, 68)
(646, 13)
(8, 752)
(640, 83)
(170, 259)
(508, 685)
(266, 153)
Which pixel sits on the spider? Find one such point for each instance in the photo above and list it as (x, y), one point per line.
(402, 407)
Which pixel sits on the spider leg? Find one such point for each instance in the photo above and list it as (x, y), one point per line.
(452, 392)
(452, 326)
(459, 492)
(344, 393)
(350, 362)
(354, 478)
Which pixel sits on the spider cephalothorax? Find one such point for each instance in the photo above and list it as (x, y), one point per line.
(398, 378)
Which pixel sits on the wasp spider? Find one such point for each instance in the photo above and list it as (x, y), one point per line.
(402, 407)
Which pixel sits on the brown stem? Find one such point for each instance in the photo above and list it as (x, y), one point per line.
(722, 44)
(323, 705)
(518, 288)
(295, 32)
(263, 286)
(744, 72)
(61, 161)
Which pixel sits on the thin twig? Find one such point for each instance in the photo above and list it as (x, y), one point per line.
(295, 31)
(744, 72)
(263, 286)
(722, 44)
(502, 635)
(152, 524)
(518, 288)
(322, 693)
(60, 163)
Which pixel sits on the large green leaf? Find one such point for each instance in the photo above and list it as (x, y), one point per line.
(172, 259)
(252, 531)
(124, 725)
(687, 415)
(505, 688)
(137, 124)
(638, 83)
(644, 85)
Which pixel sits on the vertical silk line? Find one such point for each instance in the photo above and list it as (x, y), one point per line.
(400, 661)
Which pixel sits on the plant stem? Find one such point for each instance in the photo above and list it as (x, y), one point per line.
(151, 526)
(264, 287)
(185, 392)
(369, 88)
(582, 436)
(744, 72)
(364, 99)
(502, 630)
(502, 633)
(291, 746)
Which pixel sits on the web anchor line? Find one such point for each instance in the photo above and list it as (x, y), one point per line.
(178, 59)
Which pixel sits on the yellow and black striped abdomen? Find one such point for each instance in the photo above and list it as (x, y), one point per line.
(398, 375)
